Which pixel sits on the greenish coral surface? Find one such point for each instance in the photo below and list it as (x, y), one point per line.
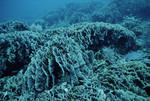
(82, 62)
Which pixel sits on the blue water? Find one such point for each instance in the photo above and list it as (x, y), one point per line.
(30, 9)
(11, 9)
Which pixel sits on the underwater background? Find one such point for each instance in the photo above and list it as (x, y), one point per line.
(75, 50)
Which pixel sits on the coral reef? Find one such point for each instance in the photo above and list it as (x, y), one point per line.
(13, 26)
(16, 49)
(60, 57)
(68, 56)
(111, 12)
(75, 63)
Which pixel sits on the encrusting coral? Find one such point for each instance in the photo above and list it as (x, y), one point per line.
(58, 62)
(59, 57)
